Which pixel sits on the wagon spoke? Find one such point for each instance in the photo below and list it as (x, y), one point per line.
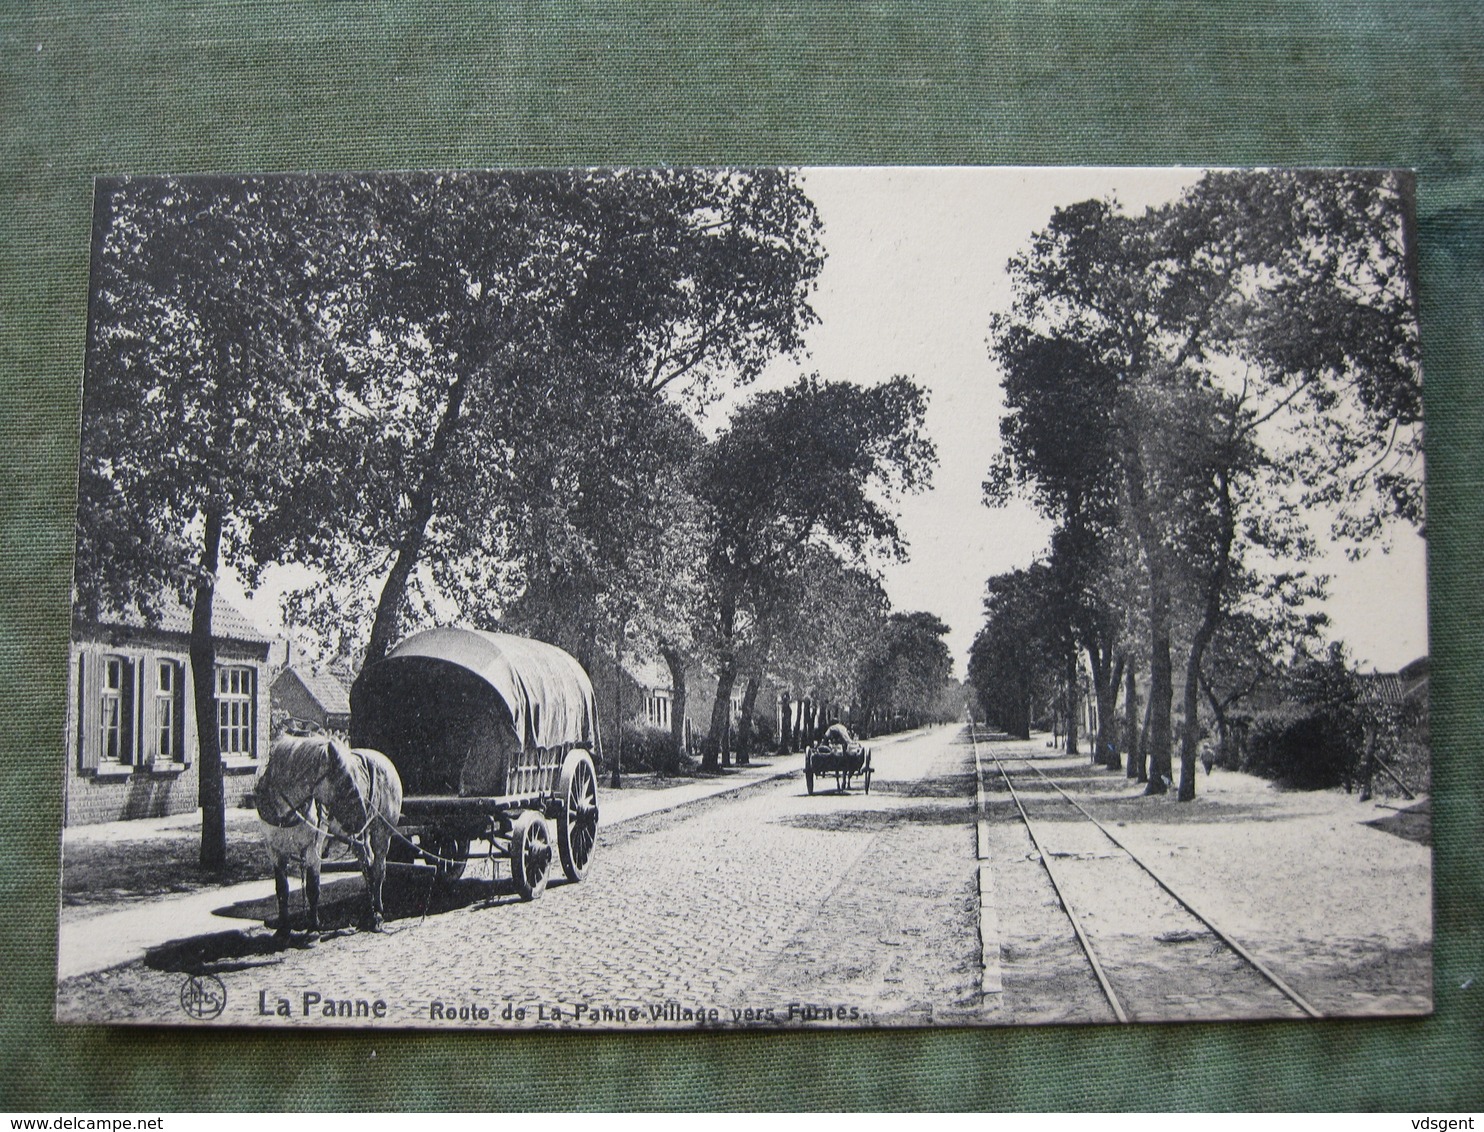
(577, 821)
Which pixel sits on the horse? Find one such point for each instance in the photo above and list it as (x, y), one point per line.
(315, 788)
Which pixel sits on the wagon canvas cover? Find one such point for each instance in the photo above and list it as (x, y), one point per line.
(548, 695)
(1088, 500)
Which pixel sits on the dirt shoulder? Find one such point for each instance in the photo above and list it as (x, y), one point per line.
(1334, 894)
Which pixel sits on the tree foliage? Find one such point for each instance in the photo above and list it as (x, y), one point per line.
(502, 312)
(1016, 655)
(1204, 376)
(905, 677)
(208, 368)
(815, 464)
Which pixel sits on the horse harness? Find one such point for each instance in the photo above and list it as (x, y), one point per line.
(298, 815)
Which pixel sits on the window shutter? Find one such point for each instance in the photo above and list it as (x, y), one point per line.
(129, 713)
(185, 701)
(182, 752)
(149, 730)
(88, 683)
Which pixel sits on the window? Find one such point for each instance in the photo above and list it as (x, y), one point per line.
(117, 719)
(168, 713)
(235, 710)
(657, 709)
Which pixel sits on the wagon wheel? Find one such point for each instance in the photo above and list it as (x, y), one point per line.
(530, 854)
(868, 772)
(809, 772)
(400, 851)
(577, 823)
(449, 855)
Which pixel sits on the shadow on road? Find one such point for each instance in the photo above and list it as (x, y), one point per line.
(872, 821)
(1411, 823)
(406, 897)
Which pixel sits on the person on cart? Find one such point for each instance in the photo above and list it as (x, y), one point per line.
(838, 735)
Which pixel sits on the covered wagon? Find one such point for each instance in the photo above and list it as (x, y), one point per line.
(493, 735)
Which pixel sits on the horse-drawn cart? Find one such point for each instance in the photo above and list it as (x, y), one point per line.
(840, 754)
(491, 735)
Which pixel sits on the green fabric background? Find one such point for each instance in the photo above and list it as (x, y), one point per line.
(216, 86)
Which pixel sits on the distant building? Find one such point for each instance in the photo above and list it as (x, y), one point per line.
(651, 698)
(1415, 680)
(1407, 686)
(131, 742)
(655, 694)
(317, 697)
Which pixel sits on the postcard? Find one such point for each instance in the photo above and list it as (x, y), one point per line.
(659, 599)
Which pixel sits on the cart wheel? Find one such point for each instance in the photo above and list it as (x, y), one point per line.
(530, 854)
(453, 854)
(868, 772)
(577, 823)
(808, 773)
(399, 851)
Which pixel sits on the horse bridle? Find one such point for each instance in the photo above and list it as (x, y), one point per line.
(296, 815)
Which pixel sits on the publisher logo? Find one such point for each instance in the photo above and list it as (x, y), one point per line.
(203, 996)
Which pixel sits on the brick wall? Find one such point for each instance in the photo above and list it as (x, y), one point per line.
(148, 784)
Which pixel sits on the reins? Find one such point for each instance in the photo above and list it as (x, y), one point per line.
(298, 812)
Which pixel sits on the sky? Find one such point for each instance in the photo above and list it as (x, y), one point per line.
(915, 268)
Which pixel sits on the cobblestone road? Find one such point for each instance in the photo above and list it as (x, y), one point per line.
(763, 907)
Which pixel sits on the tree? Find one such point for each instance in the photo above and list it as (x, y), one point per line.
(817, 462)
(1015, 658)
(1256, 344)
(1059, 442)
(503, 308)
(1266, 627)
(207, 370)
(610, 556)
(907, 674)
(812, 627)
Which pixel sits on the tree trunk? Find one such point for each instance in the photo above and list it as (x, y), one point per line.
(1157, 737)
(1191, 732)
(1106, 688)
(721, 710)
(1096, 664)
(1131, 722)
(1218, 709)
(726, 678)
(676, 663)
(210, 787)
(1210, 618)
(420, 513)
(744, 728)
(785, 724)
(1073, 700)
(1144, 743)
(614, 782)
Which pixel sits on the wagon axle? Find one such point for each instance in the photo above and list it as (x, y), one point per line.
(491, 734)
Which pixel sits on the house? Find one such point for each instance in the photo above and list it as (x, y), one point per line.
(131, 742)
(318, 697)
(650, 699)
(1415, 678)
(1407, 687)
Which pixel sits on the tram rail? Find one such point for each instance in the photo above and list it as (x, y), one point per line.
(1095, 961)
